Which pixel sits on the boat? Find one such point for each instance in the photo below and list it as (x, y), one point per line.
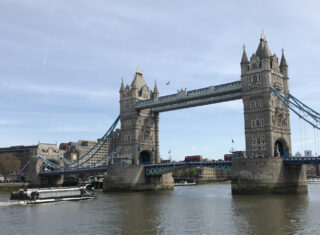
(185, 183)
(46, 195)
(313, 180)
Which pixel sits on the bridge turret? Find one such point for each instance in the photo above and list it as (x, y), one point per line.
(264, 53)
(284, 70)
(155, 90)
(244, 61)
(121, 87)
(283, 65)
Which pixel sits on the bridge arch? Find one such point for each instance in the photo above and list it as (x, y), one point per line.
(281, 148)
(145, 157)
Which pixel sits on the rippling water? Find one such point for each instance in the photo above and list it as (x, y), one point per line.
(204, 209)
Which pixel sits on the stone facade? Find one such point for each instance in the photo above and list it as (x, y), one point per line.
(133, 178)
(139, 129)
(212, 173)
(267, 125)
(28, 155)
(74, 150)
(269, 175)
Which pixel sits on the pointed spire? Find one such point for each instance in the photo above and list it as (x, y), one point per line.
(244, 59)
(263, 50)
(283, 62)
(122, 86)
(139, 71)
(155, 90)
(262, 35)
(138, 80)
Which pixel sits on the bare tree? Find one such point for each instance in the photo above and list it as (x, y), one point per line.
(9, 163)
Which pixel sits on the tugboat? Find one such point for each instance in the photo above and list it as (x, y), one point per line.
(45, 195)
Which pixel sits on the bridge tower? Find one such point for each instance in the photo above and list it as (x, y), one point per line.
(139, 138)
(139, 129)
(267, 129)
(267, 123)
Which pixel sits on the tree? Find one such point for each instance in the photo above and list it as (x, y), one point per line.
(177, 173)
(192, 172)
(9, 163)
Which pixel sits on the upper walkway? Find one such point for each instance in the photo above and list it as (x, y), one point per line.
(185, 99)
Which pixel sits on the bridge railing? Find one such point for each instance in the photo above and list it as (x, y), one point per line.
(183, 95)
(301, 160)
(198, 102)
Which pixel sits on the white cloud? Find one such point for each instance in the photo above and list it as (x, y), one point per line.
(59, 90)
(5, 122)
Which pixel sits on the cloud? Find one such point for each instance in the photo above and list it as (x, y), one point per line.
(60, 90)
(5, 122)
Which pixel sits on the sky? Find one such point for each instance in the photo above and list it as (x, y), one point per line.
(61, 64)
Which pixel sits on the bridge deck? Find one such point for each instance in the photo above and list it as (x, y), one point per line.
(301, 160)
(73, 171)
(158, 169)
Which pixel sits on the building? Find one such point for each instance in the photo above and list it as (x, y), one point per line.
(73, 151)
(29, 158)
(205, 173)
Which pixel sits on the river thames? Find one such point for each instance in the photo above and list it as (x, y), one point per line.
(203, 209)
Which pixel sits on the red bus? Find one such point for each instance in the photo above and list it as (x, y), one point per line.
(195, 158)
(227, 157)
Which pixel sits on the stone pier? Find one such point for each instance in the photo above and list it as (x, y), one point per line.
(267, 175)
(133, 178)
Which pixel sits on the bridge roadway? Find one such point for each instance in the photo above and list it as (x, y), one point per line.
(71, 171)
(159, 169)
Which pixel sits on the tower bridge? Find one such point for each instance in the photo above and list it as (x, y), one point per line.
(264, 90)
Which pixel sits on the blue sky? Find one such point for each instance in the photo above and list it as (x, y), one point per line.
(62, 61)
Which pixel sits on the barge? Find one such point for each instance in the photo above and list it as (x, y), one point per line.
(46, 195)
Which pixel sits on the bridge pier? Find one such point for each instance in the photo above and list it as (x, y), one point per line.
(267, 175)
(133, 178)
(36, 180)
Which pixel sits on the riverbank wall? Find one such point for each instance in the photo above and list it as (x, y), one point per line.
(8, 187)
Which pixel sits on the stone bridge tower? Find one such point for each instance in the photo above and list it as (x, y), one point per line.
(139, 129)
(267, 129)
(267, 126)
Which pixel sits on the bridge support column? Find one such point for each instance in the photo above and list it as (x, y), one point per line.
(133, 178)
(266, 175)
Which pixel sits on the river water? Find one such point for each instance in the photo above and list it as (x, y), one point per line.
(203, 209)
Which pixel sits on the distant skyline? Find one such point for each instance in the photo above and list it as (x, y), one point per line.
(62, 62)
